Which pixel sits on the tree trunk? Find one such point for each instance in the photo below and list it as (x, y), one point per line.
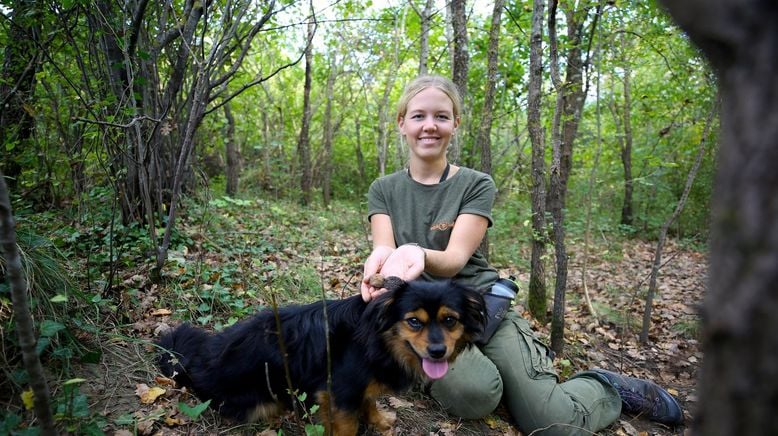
(382, 141)
(326, 172)
(358, 151)
(424, 38)
(739, 380)
(536, 298)
(626, 147)
(567, 114)
(459, 66)
(483, 139)
(25, 328)
(590, 190)
(663, 231)
(199, 102)
(233, 154)
(304, 140)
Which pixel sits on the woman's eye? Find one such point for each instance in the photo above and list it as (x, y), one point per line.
(414, 323)
(443, 117)
(450, 321)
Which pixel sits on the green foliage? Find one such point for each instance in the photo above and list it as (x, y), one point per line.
(193, 412)
(72, 411)
(263, 251)
(690, 329)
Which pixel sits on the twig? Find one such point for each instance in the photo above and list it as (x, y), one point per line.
(133, 122)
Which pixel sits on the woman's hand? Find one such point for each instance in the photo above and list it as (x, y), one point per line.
(406, 262)
(373, 265)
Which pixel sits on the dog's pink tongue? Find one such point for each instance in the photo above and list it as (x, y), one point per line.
(434, 369)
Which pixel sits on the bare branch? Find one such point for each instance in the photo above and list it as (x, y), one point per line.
(132, 122)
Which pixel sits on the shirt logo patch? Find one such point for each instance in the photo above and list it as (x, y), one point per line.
(442, 226)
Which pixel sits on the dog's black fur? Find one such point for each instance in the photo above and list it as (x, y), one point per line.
(374, 348)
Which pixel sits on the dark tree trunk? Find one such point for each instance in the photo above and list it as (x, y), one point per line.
(25, 328)
(233, 153)
(483, 139)
(304, 141)
(536, 298)
(567, 114)
(326, 171)
(460, 63)
(739, 382)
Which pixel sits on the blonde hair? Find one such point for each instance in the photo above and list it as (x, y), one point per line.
(421, 83)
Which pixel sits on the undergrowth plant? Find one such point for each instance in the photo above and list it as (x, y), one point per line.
(56, 303)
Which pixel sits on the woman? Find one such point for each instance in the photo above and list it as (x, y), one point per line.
(427, 221)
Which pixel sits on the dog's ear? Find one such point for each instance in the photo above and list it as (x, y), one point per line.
(474, 311)
(379, 312)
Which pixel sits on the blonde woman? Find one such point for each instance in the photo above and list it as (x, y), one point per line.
(427, 222)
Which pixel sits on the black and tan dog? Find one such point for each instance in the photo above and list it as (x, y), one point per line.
(410, 333)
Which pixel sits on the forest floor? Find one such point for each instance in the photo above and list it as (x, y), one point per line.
(128, 393)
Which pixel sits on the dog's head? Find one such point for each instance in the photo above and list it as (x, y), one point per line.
(424, 325)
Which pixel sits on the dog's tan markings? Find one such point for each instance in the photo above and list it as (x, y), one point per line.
(418, 339)
(264, 411)
(421, 314)
(400, 336)
(341, 422)
(381, 421)
(453, 331)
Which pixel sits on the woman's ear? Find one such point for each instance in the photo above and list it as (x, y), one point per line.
(401, 123)
(457, 119)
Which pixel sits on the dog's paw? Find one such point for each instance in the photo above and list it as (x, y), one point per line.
(383, 422)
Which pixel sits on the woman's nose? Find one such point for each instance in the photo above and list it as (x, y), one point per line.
(429, 123)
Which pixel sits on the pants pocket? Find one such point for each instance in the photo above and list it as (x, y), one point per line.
(537, 360)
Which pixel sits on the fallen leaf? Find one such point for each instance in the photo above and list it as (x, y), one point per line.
(491, 422)
(148, 395)
(172, 421)
(164, 381)
(145, 427)
(161, 312)
(447, 428)
(28, 398)
(627, 429)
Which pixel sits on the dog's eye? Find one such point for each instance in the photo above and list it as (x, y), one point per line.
(450, 321)
(414, 323)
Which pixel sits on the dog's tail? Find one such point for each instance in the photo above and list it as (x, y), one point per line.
(180, 349)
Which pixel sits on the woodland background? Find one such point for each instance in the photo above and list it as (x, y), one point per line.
(198, 160)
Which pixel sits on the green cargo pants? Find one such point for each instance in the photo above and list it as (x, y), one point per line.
(514, 367)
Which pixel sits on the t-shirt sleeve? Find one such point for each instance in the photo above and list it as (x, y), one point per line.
(479, 199)
(376, 201)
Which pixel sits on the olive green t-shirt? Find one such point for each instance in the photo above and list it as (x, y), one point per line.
(425, 214)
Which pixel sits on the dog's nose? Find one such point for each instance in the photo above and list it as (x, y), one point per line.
(436, 351)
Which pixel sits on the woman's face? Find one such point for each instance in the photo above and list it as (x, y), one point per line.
(429, 124)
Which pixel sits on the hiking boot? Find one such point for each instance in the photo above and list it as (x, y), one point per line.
(643, 397)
